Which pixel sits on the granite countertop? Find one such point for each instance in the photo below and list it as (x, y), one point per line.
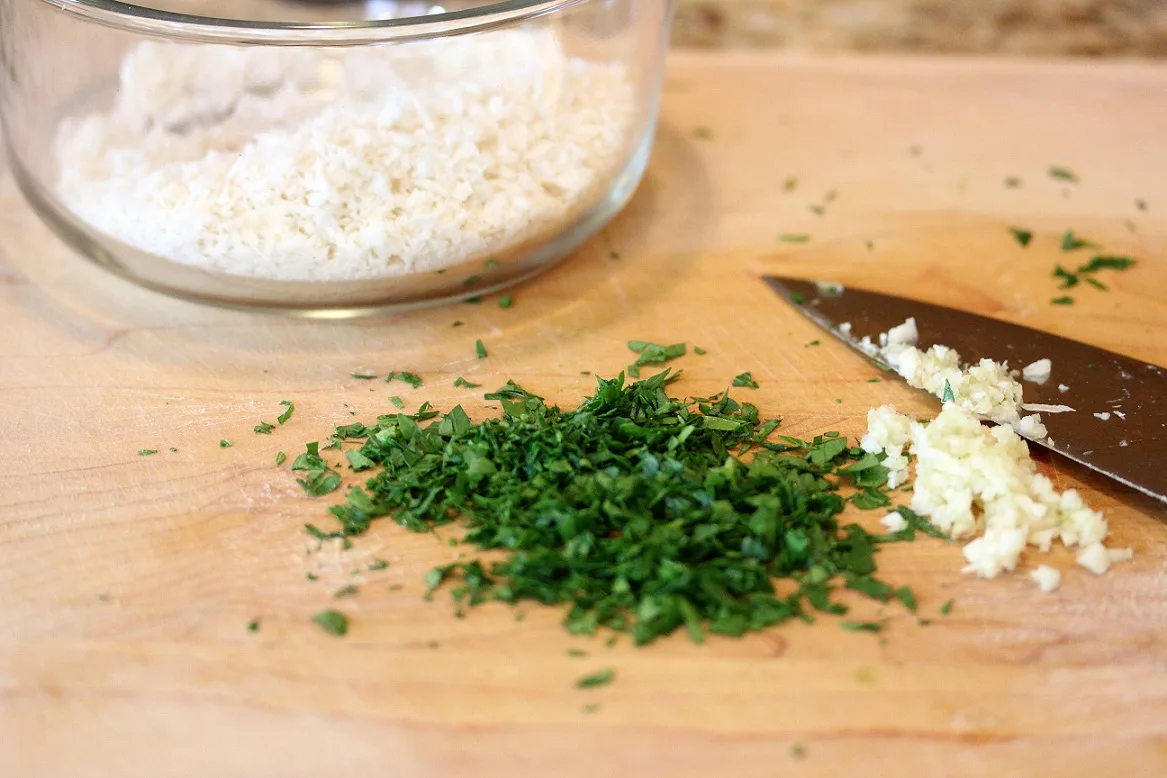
(1015, 27)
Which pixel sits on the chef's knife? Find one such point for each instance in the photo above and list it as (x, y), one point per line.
(1119, 422)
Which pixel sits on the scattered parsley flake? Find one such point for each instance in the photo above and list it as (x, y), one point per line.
(346, 591)
(363, 376)
(505, 301)
(490, 263)
(332, 622)
(173, 450)
(1063, 174)
(599, 678)
(812, 343)
(863, 626)
(1062, 301)
(869, 244)
(1013, 182)
(280, 457)
(397, 401)
(1141, 204)
(873, 380)
(475, 300)
(817, 210)
(145, 452)
(797, 751)
(412, 379)
(790, 184)
(1071, 242)
(613, 255)
(290, 408)
(480, 349)
(471, 280)
(1107, 263)
(1068, 279)
(948, 396)
(576, 652)
(746, 380)
(946, 608)
(253, 625)
(789, 238)
(462, 382)
(798, 298)
(591, 707)
(263, 428)
(1023, 236)
(652, 354)
(376, 564)
(456, 324)
(699, 351)
(224, 444)
(704, 133)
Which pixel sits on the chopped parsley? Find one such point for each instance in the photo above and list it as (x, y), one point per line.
(280, 457)
(946, 608)
(145, 452)
(790, 184)
(289, 409)
(948, 396)
(320, 479)
(1064, 300)
(412, 379)
(480, 349)
(173, 450)
(1023, 236)
(1141, 204)
(1013, 182)
(797, 751)
(263, 428)
(613, 255)
(652, 354)
(746, 380)
(462, 382)
(1107, 263)
(475, 300)
(457, 324)
(788, 238)
(376, 564)
(814, 342)
(471, 280)
(332, 622)
(1063, 174)
(863, 626)
(490, 263)
(397, 401)
(704, 133)
(699, 351)
(637, 545)
(346, 591)
(505, 301)
(253, 625)
(363, 376)
(224, 444)
(599, 678)
(1071, 242)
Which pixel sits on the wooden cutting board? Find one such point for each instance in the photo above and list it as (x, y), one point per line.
(128, 582)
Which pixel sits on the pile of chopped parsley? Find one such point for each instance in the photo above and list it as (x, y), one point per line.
(635, 510)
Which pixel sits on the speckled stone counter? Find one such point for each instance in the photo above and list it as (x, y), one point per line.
(1016, 27)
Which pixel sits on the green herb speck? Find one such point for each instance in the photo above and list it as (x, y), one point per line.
(332, 622)
(346, 591)
(1063, 174)
(505, 301)
(787, 238)
(946, 608)
(599, 678)
(462, 382)
(480, 349)
(145, 452)
(704, 133)
(397, 401)
(253, 625)
(1062, 301)
(263, 428)
(280, 457)
(289, 409)
(699, 351)
(1023, 236)
(224, 444)
(745, 379)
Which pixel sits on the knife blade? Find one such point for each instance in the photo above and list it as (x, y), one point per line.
(1119, 423)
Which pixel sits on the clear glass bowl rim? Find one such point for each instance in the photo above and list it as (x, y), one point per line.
(207, 29)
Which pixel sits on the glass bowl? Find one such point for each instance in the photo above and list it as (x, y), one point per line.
(329, 158)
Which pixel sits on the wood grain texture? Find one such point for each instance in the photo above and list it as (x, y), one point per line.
(128, 581)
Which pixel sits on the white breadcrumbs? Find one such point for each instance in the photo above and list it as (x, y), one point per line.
(310, 164)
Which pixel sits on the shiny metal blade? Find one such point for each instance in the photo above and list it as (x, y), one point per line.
(1119, 425)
